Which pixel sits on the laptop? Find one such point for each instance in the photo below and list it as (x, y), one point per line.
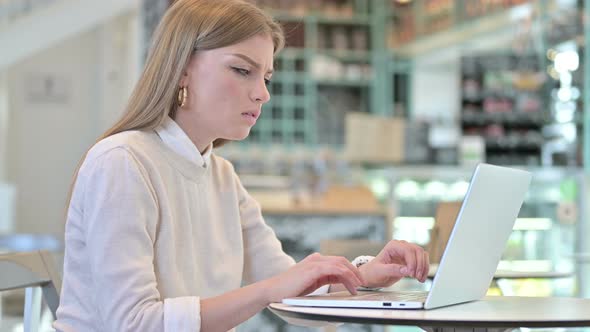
(477, 241)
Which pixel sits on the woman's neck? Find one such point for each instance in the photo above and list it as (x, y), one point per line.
(194, 134)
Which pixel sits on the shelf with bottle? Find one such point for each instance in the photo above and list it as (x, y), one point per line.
(556, 21)
(509, 119)
(509, 146)
(345, 54)
(323, 12)
(502, 99)
(423, 26)
(410, 20)
(341, 55)
(332, 47)
(527, 143)
(330, 71)
(344, 83)
(437, 15)
(336, 9)
(563, 21)
(402, 26)
(474, 9)
(356, 20)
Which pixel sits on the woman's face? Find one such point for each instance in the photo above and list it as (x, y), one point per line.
(226, 89)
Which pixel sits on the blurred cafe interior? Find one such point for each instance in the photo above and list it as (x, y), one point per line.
(380, 110)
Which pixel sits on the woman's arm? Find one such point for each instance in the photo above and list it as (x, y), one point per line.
(120, 217)
(396, 260)
(226, 311)
(263, 254)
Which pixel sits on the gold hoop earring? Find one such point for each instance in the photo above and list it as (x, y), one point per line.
(182, 95)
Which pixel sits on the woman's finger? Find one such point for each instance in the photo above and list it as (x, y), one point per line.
(350, 276)
(345, 263)
(419, 262)
(353, 269)
(334, 270)
(343, 275)
(418, 256)
(427, 265)
(410, 260)
(350, 287)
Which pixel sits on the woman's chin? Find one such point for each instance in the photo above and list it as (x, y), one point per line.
(238, 135)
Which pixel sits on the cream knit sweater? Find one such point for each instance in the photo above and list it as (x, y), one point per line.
(150, 231)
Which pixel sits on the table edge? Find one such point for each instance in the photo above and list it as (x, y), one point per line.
(427, 323)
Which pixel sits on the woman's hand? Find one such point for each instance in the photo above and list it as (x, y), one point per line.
(396, 260)
(312, 273)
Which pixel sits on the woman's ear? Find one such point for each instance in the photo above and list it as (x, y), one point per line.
(184, 79)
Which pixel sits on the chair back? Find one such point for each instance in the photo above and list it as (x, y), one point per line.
(446, 213)
(32, 271)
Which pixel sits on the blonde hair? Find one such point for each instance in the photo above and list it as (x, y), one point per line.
(188, 26)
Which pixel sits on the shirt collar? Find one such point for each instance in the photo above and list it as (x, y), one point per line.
(177, 140)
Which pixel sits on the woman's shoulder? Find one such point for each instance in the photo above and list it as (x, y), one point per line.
(221, 164)
(130, 142)
(223, 170)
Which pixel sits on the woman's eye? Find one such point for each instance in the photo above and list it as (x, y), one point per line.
(242, 71)
(267, 81)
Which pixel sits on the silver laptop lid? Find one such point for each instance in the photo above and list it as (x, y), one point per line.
(480, 234)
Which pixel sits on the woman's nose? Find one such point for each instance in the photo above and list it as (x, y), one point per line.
(261, 94)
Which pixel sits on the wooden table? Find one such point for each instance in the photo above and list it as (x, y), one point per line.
(493, 313)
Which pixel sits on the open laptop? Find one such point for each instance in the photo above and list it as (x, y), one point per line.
(474, 249)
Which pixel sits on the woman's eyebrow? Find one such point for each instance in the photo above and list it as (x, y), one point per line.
(250, 61)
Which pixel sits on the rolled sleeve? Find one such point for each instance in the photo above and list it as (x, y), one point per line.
(182, 314)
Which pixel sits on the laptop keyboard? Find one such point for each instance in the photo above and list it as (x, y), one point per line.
(395, 296)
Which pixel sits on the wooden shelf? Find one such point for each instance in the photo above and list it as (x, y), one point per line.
(337, 200)
(491, 26)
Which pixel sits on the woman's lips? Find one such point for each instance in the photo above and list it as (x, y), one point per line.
(250, 117)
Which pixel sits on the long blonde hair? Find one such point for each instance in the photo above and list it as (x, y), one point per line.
(188, 26)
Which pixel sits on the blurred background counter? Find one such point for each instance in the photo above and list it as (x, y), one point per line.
(314, 223)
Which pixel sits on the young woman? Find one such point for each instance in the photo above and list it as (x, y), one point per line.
(160, 233)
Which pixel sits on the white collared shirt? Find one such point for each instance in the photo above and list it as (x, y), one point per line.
(176, 139)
